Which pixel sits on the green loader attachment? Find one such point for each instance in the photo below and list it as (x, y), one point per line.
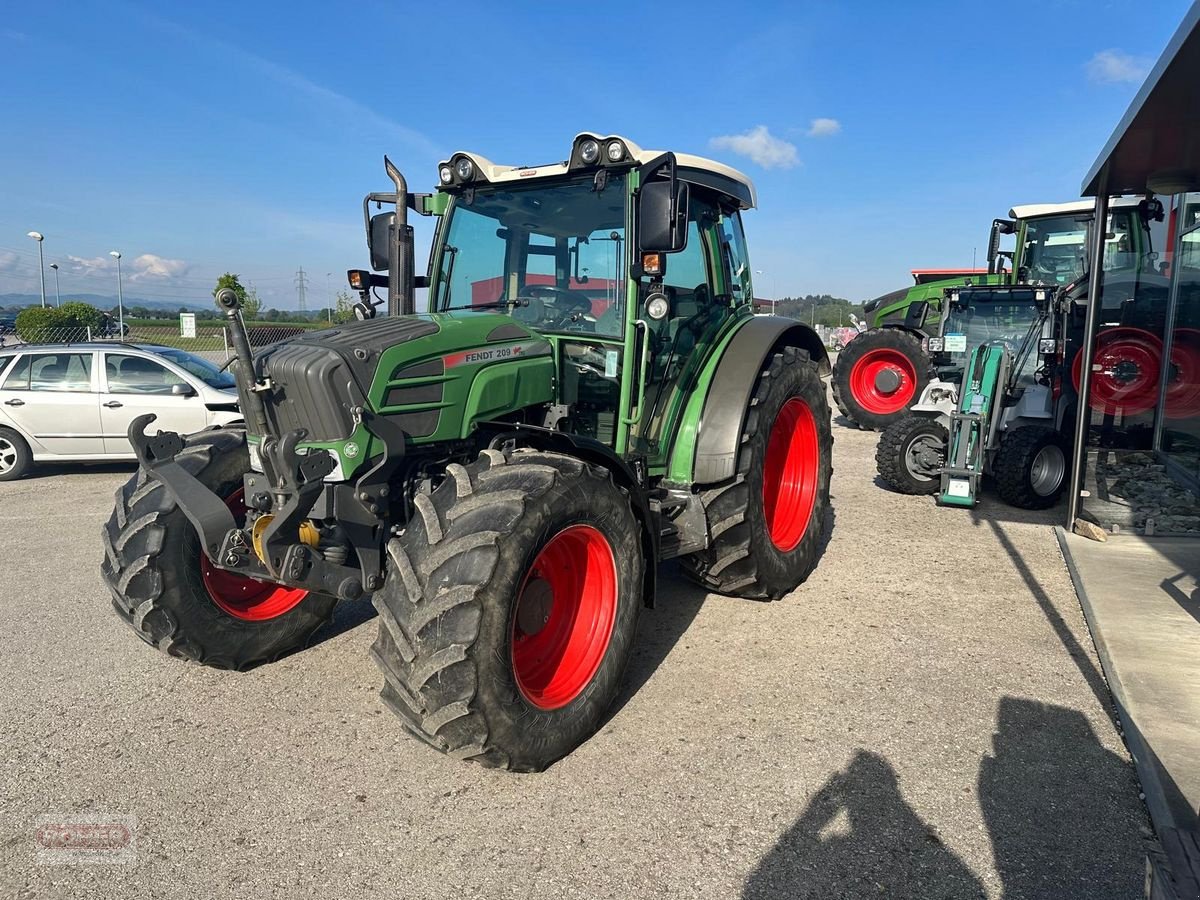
(972, 425)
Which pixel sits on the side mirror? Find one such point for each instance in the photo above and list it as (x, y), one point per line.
(382, 225)
(662, 216)
(182, 390)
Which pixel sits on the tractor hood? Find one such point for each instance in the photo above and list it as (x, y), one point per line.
(433, 375)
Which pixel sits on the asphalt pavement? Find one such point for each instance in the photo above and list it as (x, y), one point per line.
(924, 718)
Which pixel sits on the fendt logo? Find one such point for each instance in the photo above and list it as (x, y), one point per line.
(492, 354)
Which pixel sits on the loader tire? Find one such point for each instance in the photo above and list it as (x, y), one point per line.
(909, 454)
(1031, 467)
(164, 587)
(509, 607)
(879, 375)
(766, 525)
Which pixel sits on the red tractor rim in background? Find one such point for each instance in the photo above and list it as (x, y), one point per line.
(242, 597)
(1125, 370)
(864, 381)
(1183, 390)
(564, 617)
(790, 472)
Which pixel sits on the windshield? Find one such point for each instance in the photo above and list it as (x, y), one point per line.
(206, 371)
(983, 316)
(1055, 250)
(552, 254)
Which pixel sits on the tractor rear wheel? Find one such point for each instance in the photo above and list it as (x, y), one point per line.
(910, 453)
(766, 525)
(167, 590)
(879, 375)
(1030, 467)
(509, 607)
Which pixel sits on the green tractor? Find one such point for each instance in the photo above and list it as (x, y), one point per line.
(589, 393)
(882, 372)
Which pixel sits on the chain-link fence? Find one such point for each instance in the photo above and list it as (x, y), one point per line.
(207, 339)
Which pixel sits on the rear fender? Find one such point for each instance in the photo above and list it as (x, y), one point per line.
(706, 449)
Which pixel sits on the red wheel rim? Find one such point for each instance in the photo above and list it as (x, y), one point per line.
(790, 468)
(865, 375)
(242, 597)
(1183, 391)
(564, 617)
(1125, 369)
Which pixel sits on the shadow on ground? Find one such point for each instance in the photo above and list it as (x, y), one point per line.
(859, 838)
(1052, 831)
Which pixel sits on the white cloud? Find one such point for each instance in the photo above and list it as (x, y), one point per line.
(8, 261)
(148, 267)
(761, 146)
(87, 266)
(824, 127)
(1117, 67)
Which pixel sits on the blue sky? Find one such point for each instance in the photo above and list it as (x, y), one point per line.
(882, 136)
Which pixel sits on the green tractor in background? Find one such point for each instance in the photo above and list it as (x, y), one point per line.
(882, 372)
(589, 394)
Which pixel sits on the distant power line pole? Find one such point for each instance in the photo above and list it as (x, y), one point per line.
(302, 288)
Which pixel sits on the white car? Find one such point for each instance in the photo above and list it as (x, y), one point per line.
(74, 402)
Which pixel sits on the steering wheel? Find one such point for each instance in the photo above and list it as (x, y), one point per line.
(565, 304)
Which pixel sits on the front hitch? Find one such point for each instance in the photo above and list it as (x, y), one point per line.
(295, 482)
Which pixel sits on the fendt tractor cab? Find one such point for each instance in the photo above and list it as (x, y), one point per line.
(883, 371)
(589, 393)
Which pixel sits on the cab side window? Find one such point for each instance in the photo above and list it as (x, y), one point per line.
(733, 256)
(137, 375)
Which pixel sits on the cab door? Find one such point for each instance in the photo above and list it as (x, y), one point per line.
(703, 297)
(51, 398)
(134, 385)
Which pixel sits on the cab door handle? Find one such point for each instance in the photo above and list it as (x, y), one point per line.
(113, 404)
(14, 402)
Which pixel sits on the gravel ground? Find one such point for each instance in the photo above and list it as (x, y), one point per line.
(895, 728)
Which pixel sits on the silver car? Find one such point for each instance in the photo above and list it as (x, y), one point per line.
(74, 402)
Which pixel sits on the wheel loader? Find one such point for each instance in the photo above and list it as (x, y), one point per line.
(588, 394)
(995, 407)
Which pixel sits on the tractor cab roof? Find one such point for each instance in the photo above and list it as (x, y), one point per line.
(1074, 207)
(693, 169)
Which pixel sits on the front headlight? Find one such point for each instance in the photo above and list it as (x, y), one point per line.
(464, 168)
(445, 174)
(589, 151)
(936, 345)
(615, 151)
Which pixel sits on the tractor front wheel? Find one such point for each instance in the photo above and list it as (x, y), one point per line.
(509, 608)
(1030, 467)
(911, 453)
(765, 525)
(170, 594)
(879, 375)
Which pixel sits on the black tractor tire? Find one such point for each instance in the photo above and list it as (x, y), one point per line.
(893, 456)
(896, 350)
(742, 559)
(15, 458)
(454, 600)
(1031, 467)
(152, 566)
